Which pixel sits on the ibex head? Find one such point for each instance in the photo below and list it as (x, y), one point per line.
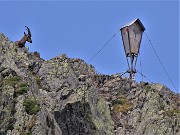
(28, 35)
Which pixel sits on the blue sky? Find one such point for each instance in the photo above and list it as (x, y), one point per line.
(79, 29)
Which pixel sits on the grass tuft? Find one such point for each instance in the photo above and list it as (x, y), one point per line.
(121, 105)
(32, 105)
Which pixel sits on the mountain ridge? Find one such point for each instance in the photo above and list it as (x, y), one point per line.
(65, 96)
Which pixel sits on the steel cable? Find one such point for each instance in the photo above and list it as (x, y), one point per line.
(103, 46)
(160, 62)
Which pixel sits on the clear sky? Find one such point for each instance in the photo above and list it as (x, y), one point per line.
(79, 29)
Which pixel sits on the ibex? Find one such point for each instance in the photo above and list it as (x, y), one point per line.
(27, 37)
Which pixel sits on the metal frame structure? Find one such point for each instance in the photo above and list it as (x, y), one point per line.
(131, 35)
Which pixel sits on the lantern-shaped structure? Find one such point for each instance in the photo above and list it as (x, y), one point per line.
(131, 35)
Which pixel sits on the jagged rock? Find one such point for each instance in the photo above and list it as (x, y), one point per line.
(6, 72)
(69, 98)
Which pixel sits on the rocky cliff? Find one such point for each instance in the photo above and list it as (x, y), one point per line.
(65, 96)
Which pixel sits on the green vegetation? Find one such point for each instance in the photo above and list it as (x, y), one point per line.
(32, 105)
(25, 133)
(22, 90)
(15, 50)
(29, 133)
(121, 105)
(23, 84)
(38, 81)
(17, 83)
(161, 105)
(172, 112)
(148, 88)
(11, 80)
(119, 101)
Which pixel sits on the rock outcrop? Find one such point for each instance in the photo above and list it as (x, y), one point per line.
(65, 96)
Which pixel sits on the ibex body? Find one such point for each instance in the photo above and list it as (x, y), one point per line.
(27, 37)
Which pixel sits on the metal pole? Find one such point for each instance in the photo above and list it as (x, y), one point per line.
(132, 71)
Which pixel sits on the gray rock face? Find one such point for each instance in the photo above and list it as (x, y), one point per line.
(65, 96)
(75, 118)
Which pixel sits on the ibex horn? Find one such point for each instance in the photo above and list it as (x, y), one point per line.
(29, 32)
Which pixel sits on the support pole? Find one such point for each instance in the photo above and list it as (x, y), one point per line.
(132, 69)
